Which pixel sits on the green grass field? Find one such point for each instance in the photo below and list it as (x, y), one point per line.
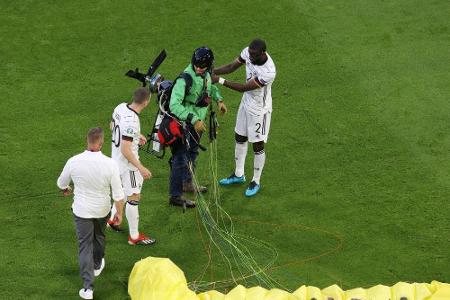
(356, 185)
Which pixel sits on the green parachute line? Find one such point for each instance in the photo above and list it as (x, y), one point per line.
(232, 247)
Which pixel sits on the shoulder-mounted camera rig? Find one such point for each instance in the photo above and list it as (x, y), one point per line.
(163, 88)
(147, 78)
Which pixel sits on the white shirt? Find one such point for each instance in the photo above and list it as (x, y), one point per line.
(126, 125)
(93, 175)
(258, 100)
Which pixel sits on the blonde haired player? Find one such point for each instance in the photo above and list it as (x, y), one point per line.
(126, 138)
(254, 114)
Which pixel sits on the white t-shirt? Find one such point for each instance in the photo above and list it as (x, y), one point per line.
(258, 100)
(94, 176)
(126, 125)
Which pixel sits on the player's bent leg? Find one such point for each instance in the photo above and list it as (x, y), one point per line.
(240, 152)
(259, 160)
(258, 165)
(112, 221)
(112, 213)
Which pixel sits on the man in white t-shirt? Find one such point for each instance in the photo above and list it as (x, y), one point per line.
(254, 114)
(93, 175)
(126, 138)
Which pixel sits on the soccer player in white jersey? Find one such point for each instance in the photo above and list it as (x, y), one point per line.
(253, 117)
(126, 138)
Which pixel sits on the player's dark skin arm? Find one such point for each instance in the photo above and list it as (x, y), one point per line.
(248, 86)
(227, 69)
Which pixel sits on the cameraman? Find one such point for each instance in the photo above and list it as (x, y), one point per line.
(191, 107)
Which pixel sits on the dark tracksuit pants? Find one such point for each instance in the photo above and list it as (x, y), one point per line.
(182, 154)
(91, 243)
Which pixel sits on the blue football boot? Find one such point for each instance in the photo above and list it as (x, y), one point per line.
(252, 189)
(232, 179)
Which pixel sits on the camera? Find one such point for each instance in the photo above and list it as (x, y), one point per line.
(154, 82)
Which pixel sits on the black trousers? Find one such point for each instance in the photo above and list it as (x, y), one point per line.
(91, 244)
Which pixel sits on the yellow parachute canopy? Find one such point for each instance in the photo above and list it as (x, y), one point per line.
(156, 278)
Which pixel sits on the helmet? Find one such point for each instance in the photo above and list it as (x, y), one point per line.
(203, 57)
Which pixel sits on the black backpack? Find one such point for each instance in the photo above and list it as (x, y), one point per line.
(169, 130)
(165, 90)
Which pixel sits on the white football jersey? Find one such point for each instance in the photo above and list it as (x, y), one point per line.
(258, 100)
(126, 125)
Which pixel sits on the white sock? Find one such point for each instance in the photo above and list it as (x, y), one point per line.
(258, 165)
(132, 213)
(240, 152)
(113, 213)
